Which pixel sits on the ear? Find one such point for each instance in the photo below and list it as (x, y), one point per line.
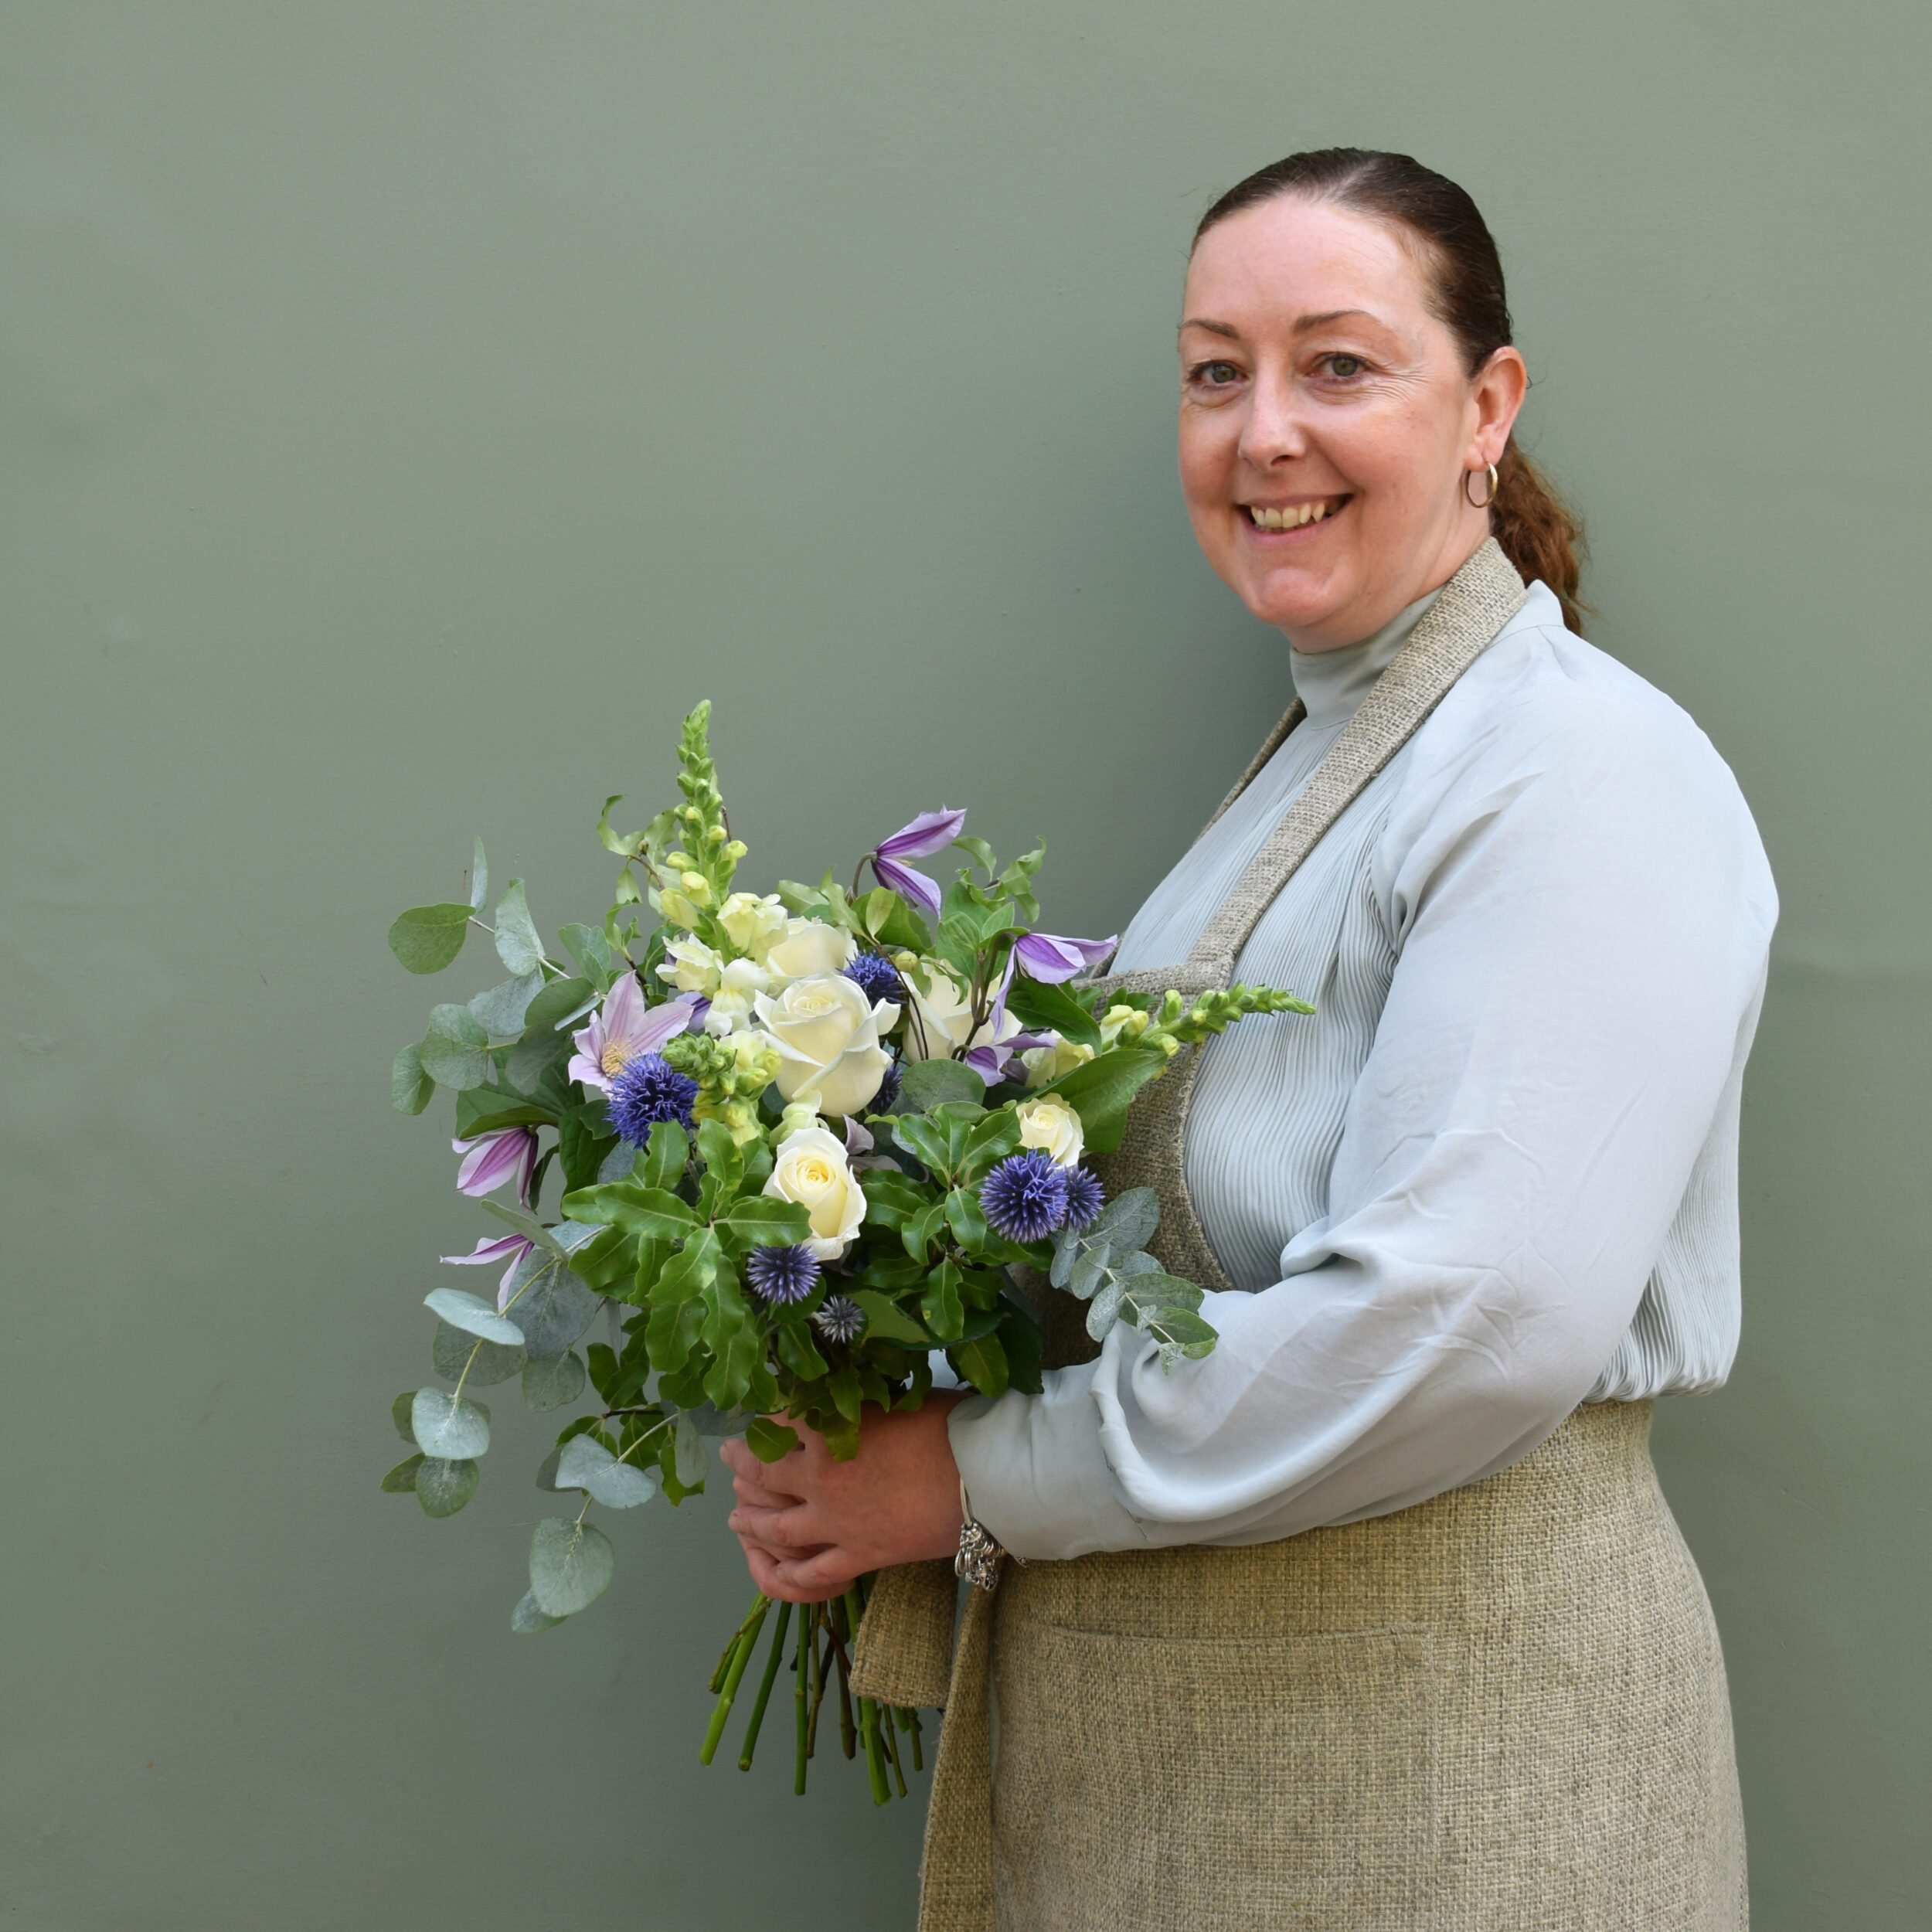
(1497, 393)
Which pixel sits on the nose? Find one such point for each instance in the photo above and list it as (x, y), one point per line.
(1272, 433)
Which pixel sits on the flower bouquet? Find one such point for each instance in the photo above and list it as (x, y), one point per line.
(800, 1140)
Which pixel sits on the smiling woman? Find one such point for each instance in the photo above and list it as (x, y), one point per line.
(1376, 1617)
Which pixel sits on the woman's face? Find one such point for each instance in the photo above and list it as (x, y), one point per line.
(1326, 421)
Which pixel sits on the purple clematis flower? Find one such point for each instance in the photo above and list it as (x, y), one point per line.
(931, 832)
(488, 1162)
(624, 1027)
(1049, 959)
(508, 1247)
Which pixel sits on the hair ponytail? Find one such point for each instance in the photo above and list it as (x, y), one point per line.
(1536, 530)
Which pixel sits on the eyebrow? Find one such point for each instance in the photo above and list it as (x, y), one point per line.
(1302, 323)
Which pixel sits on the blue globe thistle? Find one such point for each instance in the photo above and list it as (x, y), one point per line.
(782, 1275)
(876, 976)
(646, 1090)
(840, 1319)
(1085, 1198)
(882, 1101)
(1024, 1197)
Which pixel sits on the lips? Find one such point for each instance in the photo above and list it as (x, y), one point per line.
(1292, 516)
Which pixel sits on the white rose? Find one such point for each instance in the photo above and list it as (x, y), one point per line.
(752, 921)
(1049, 1123)
(1046, 1063)
(808, 948)
(739, 982)
(811, 1169)
(945, 1020)
(827, 1039)
(691, 966)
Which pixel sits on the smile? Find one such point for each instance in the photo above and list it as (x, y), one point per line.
(1292, 516)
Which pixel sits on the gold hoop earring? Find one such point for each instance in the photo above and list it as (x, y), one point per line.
(1487, 500)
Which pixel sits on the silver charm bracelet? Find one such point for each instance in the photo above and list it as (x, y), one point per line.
(980, 1551)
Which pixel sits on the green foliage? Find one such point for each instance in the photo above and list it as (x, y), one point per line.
(444, 1486)
(660, 1238)
(571, 1565)
(427, 938)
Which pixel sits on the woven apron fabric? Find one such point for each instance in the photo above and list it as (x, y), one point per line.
(1503, 1709)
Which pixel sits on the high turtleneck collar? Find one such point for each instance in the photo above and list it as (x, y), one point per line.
(1333, 683)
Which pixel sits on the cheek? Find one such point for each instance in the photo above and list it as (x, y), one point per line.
(1207, 444)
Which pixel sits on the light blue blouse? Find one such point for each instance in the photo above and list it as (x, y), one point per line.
(1493, 1175)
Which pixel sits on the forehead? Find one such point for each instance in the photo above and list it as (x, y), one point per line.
(1289, 256)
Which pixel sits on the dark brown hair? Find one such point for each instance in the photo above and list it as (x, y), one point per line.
(1537, 531)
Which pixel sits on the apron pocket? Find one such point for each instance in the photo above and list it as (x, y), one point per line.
(1270, 1784)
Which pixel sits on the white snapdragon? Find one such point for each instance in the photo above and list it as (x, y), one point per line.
(740, 983)
(691, 966)
(752, 922)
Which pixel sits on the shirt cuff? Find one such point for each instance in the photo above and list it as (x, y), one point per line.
(1034, 1472)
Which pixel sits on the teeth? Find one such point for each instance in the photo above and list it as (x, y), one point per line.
(1292, 518)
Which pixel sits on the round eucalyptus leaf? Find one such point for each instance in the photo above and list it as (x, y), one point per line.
(426, 938)
(444, 1486)
(549, 1381)
(448, 1425)
(477, 1364)
(586, 1465)
(526, 1619)
(553, 1311)
(400, 1412)
(571, 1565)
(401, 1479)
(474, 1315)
(500, 1011)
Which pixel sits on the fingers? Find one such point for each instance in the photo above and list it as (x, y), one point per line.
(768, 1578)
(812, 1579)
(792, 1528)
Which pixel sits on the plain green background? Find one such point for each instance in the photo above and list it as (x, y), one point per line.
(408, 409)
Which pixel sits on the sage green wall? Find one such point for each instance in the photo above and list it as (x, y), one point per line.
(408, 409)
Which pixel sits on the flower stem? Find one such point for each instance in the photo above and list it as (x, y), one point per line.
(798, 1697)
(765, 1683)
(741, 1655)
(731, 1649)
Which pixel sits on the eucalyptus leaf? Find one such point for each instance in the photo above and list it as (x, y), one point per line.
(591, 951)
(714, 1421)
(448, 1425)
(518, 945)
(690, 1460)
(479, 879)
(426, 938)
(549, 1381)
(531, 1056)
(1090, 1271)
(527, 1620)
(1128, 1221)
(474, 1315)
(453, 1050)
(617, 1166)
(1104, 1310)
(410, 1089)
(571, 1565)
(553, 1310)
(529, 1227)
(401, 1479)
(399, 1411)
(443, 1487)
(500, 1011)
(477, 1364)
(586, 1465)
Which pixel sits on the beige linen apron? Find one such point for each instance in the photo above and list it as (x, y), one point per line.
(1502, 1710)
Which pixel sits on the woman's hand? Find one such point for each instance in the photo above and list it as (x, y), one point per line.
(810, 1525)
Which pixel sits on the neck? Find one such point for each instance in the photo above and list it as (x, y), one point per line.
(1364, 617)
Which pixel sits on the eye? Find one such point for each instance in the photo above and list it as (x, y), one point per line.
(1345, 365)
(1214, 374)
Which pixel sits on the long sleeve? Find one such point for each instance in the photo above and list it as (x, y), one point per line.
(1575, 911)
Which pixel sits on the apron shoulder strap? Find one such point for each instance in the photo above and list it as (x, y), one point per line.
(1462, 622)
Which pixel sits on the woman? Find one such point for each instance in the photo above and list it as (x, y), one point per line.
(1376, 1617)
